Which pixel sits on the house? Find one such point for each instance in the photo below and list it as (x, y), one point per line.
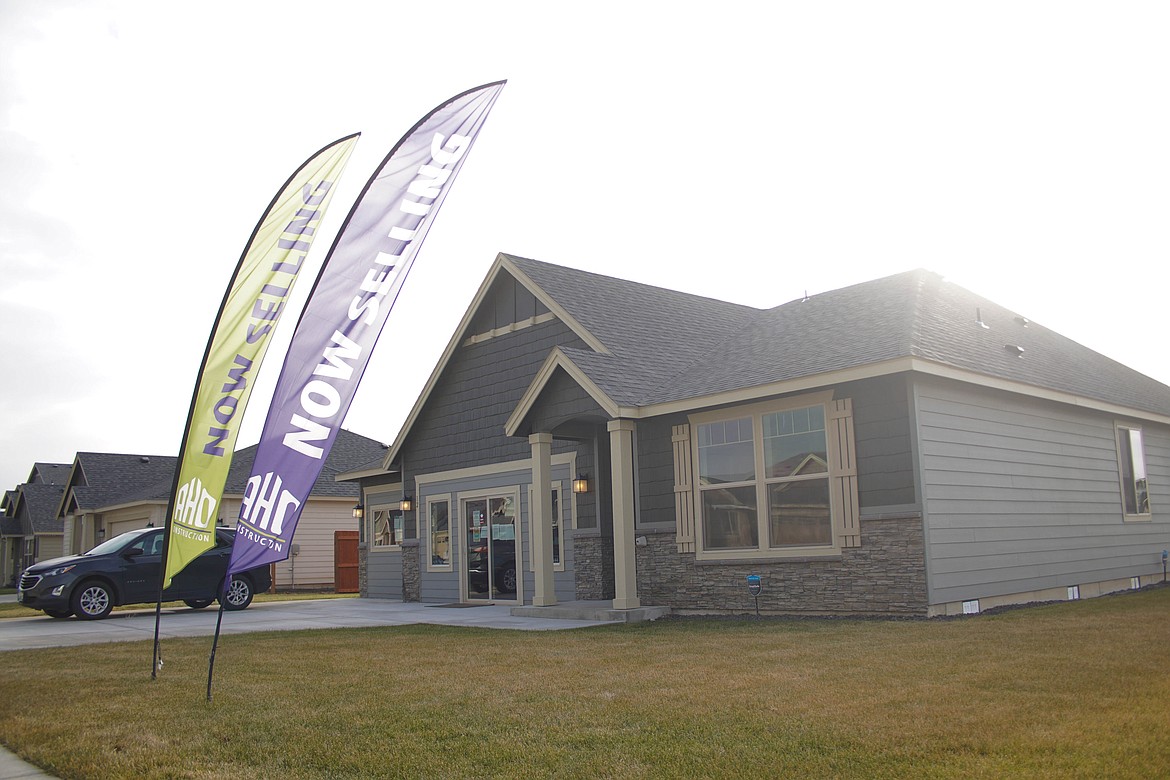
(901, 446)
(29, 530)
(107, 494)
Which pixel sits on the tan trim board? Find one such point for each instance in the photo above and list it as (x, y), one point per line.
(897, 365)
(557, 359)
(503, 467)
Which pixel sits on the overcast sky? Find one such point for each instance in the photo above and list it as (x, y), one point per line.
(747, 151)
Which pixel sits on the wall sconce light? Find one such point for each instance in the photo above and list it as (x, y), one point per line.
(358, 511)
(581, 484)
(101, 533)
(406, 504)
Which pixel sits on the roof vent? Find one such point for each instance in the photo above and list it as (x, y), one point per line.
(979, 320)
(1016, 350)
(1023, 321)
(144, 459)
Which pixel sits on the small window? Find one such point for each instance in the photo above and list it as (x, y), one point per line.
(386, 528)
(1135, 495)
(558, 562)
(439, 532)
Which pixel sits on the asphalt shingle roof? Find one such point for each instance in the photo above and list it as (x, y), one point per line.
(649, 330)
(350, 450)
(670, 346)
(110, 479)
(115, 479)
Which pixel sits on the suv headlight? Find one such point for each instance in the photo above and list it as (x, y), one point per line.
(59, 570)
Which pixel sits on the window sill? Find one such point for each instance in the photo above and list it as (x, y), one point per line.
(390, 548)
(1148, 518)
(801, 556)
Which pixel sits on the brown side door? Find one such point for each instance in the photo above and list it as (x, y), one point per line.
(345, 561)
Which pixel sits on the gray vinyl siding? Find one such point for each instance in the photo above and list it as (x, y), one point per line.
(444, 586)
(1022, 495)
(885, 465)
(882, 433)
(383, 567)
(655, 459)
(462, 423)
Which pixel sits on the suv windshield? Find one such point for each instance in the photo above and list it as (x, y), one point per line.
(117, 543)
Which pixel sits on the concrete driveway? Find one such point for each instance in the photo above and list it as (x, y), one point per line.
(129, 626)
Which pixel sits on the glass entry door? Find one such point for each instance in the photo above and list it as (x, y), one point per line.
(490, 525)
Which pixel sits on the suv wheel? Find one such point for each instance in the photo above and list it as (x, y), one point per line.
(93, 600)
(239, 594)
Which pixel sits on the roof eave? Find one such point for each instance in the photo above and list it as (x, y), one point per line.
(893, 366)
(558, 359)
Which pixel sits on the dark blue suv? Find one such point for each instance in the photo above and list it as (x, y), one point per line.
(127, 570)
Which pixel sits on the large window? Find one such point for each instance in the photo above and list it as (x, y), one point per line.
(386, 528)
(764, 482)
(1135, 496)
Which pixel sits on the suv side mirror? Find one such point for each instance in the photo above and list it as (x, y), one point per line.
(133, 552)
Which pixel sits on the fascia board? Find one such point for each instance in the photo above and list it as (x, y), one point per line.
(573, 324)
(557, 359)
(67, 496)
(894, 366)
(350, 476)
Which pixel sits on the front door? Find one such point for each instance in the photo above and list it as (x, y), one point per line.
(490, 530)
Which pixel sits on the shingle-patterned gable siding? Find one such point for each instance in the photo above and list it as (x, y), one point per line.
(507, 302)
(462, 423)
(564, 401)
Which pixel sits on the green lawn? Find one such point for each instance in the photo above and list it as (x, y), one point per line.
(1075, 690)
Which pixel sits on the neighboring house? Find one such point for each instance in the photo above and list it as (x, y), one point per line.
(108, 494)
(29, 529)
(900, 446)
(329, 510)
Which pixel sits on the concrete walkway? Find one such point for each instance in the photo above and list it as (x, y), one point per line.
(128, 626)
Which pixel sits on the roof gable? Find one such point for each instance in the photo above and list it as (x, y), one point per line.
(652, 349)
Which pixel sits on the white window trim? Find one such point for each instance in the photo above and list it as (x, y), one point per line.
(1139, 517)
(451, 536)
(371, 513)
(756, 412)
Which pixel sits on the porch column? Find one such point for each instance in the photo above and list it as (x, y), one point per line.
(621, 444)
(540, 519)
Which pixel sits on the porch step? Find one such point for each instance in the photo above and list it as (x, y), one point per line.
(591, 610)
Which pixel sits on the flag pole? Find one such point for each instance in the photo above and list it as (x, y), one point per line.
(247, 280)
(215, 642)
